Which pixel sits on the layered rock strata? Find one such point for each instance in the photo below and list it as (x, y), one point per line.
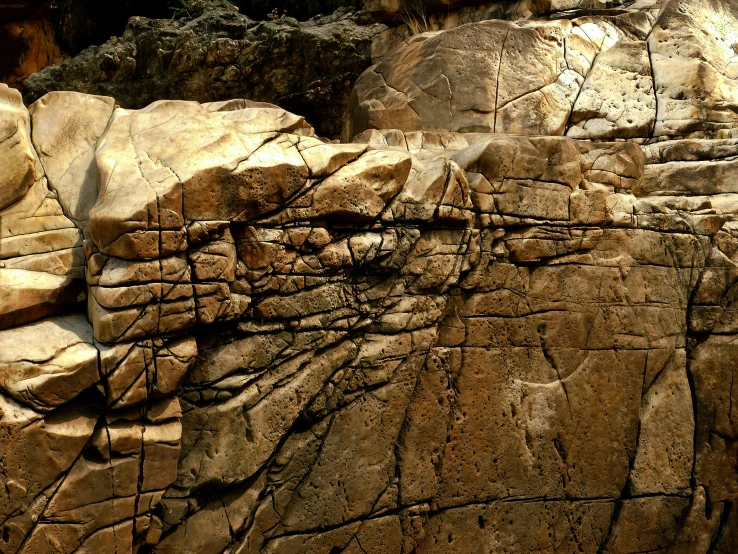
(417, 341)
(509, 327)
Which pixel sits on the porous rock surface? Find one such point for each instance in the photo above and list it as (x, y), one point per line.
(220, 333)
(638, 73)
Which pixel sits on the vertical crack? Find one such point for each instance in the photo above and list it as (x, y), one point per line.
(497, 81)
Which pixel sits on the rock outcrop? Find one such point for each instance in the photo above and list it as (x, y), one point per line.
(501, 318)
(630, 75)
(301, 10)
(219, 54)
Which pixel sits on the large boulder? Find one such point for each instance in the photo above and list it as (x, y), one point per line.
(514, 77)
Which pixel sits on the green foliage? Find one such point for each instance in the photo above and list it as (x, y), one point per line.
(181, 8)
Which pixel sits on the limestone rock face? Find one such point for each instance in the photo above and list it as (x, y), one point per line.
(417, 341)
(501, 318)
(631, 73)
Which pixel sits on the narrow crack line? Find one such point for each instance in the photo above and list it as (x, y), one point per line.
(570, 119)
(50, 499)
(497, 81)
(655, 94)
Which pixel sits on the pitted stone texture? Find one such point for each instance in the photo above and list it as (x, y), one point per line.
(421, 341)
(617, 99)
(603, 74)
(514, 77)
(398, 9)
(695, 67)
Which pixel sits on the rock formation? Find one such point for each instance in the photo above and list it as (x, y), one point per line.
(500, 316)
(219, 54)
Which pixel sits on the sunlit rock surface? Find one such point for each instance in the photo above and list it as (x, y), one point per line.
(602, 74)
(220, 333)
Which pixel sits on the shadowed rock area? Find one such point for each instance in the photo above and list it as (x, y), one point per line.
(499, 317)
(219, 54)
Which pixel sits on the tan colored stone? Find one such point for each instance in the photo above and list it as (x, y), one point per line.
(37, 451)
(422, 86)
(48, 363)
(664, 456)
(517, 78)
(617, 99)
(66, 128)
(31, 295)
(694, 67)
(152, 185)
(519, 527)
(424, 341)
(20, 165)
(40, 263)
(138, 372)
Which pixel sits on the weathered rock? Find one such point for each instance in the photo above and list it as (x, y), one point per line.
(41, 259)
(595, 76)
(390, 9)
(47, 364)
(420, 341)
(66, 127)
(694, 66)
(220, 54)
(518, 78)
(19, 160)
(617, 99)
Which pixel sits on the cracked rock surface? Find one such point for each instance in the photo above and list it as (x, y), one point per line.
(506, 329)
(614, 73)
